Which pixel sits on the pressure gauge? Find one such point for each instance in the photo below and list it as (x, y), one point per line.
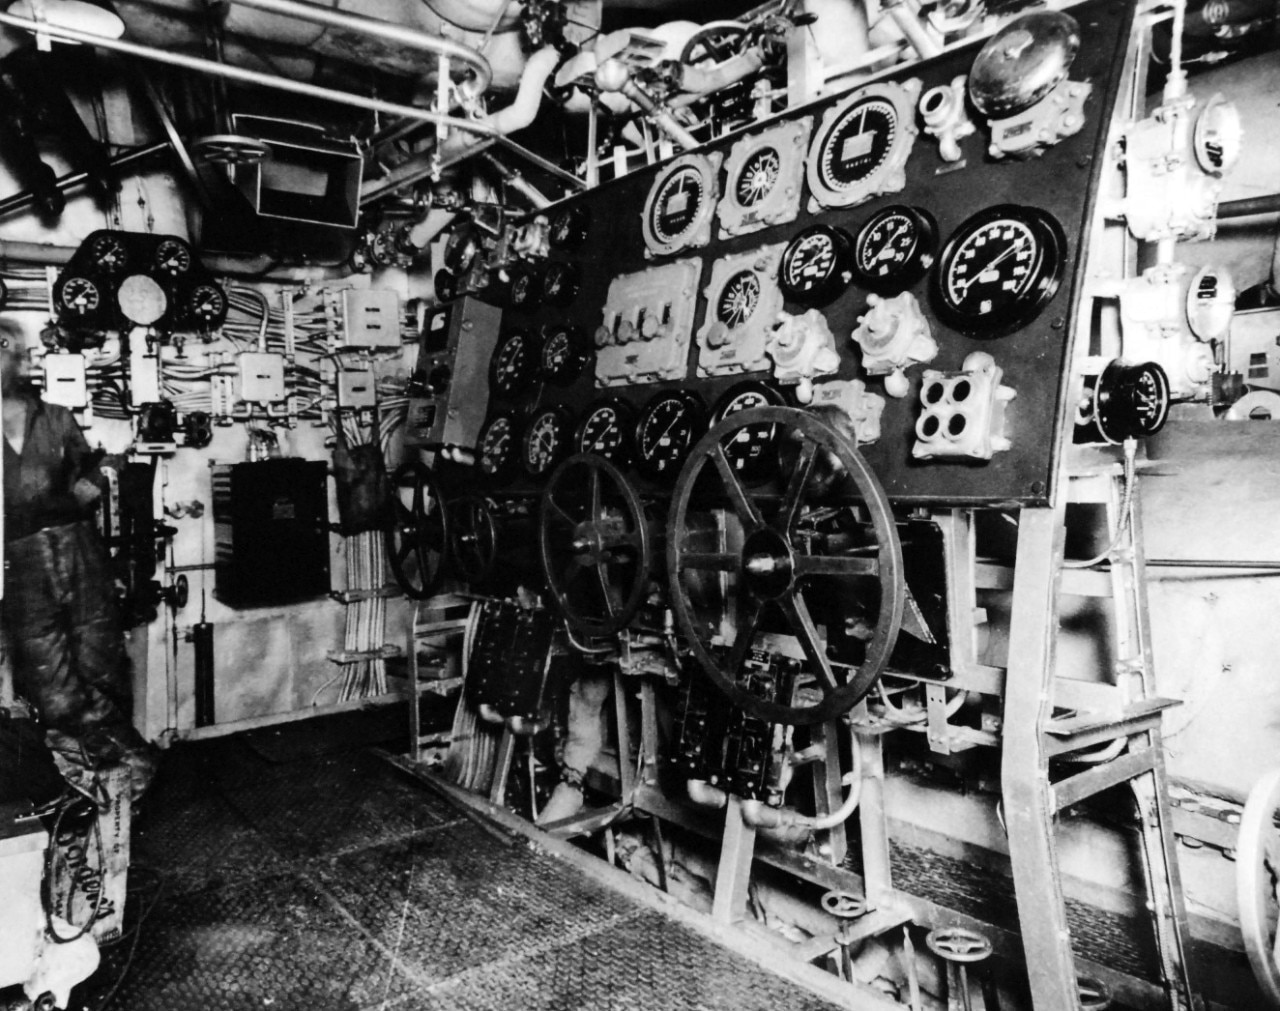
(895, 248)
(513, 367)
(545, 441)
(1217, 136)
(569, 227)
(758, 177)
(206, 305)
(561, 357)
(446, 285)
(667, 428)
(561, 283)
(173, 257)
(605, 429)
(1000, 268)
(752, 451)
(861, 147)
(79, 296)
(681, 202)
(108, 254)
(764, 174)
(1130, 401)
(738, 299)
(816, 265)
(526, 289)
(496, 448)
(141, 300)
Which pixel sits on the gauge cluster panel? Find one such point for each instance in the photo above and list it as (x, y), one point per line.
(662, 289)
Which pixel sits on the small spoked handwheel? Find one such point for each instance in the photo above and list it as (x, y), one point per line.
(845, 905)
(781, 556)
(417, 539)
(1095, 995)
(594, 545)
(473, 538)
(230, 149)
(958, 944)
(1257, 880)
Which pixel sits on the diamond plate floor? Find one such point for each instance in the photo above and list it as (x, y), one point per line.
(332, 883)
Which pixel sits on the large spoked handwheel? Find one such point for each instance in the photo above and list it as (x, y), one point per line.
(473, 538)
(784, 555)
(417, 540)
(1257, 878)
(594, 545)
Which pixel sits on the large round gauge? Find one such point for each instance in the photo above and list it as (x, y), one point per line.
(667, 428)
(545, 441)
(79, 296)
(206, 305)
(514, 365)
(862, 144)
(569, 226)
(605, 429)
(142, 300)
(999, 268)
(109, 254)
(752, 451)
(173, 257)
(560, 359)
(496, 447)
(681, 202)
(815, 265)
(895, 248)
(561, 283)
(1130, 401)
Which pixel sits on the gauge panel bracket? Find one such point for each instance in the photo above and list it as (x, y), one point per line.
(728, 348)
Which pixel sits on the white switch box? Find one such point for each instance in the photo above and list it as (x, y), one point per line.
(371, 318)
(356, 389)
(261, 377)
(65, 382)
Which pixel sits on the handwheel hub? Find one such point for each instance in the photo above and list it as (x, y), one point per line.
(767, 564)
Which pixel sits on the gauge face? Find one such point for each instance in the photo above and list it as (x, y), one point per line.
(815, 265)
(109, 254)
(758, 177)
(858, 143)
(514, 364)
(446, 285)
(526, 290)
(545, 441)
(605, 429)
(999, 269)
(79, 296)
(496, 447)
(1131, 401)
(207, 304)
(668, 427)
(561, 283)
(752, 451)
(895, 248)
(173, 257)
(569, 227)
(676, 206)
(560, 360)
(738, 299)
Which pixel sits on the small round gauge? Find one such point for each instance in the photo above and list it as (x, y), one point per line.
(461, 250)
(561, 283)
(206, 304)
(446, 285)
(858, 143)
(109, 254)
(738, 299)
(752, 451)
(605, 429)
(1000, 268)
(677, 204)
(895, 248)
(79, 296)
(815, 265)
(496, 447)
(569, 227)
(173, 257)
(526, 289)
(545, 441)
(758, 177)
(513, 367)
(1131, 401)
(666, 430)
(561, 359)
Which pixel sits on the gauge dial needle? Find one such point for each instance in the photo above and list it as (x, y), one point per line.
(887, 252)
(1008, 252)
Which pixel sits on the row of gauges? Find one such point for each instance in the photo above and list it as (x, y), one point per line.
(996, 272)
(655, 441)
(556, 354)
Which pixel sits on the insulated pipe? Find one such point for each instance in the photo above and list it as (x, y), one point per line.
(698, 81)
(614, 75)
(908, 21)
(706, 795)
(761, 815)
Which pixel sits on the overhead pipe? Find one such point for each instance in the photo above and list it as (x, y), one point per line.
(614, 75)
(913, 28)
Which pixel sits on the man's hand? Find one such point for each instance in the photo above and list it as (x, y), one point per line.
(86, 492)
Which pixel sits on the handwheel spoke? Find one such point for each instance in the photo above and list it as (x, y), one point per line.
(794, 496)
(403, 549)
(719, 561)
(560, 513)
(603, 576)
(593, 487)
(747, 621)
(742, 504)
(836, 565)
(797, 612)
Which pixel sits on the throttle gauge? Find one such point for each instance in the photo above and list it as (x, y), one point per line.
(668, 427)
(816, 265)
(545, 441)
(513, 367)
(861, 147)
(605, 429)
(895, 248)
(751, 451)
(496, 447)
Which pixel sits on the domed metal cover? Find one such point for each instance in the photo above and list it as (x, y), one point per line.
(1023, 62)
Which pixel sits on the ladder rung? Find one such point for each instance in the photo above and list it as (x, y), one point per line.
(1101, 777)
(1086, 730)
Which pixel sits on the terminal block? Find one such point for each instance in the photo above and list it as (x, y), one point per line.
(802, 348)
(894, 335)
(962, 413)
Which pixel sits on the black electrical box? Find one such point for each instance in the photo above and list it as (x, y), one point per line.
(271, 528)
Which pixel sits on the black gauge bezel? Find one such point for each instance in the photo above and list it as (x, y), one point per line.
(462, 249)
(445, 283)
(764, 467)
(697, 413)
(569, 227)
(506, 468)
(1113, 413)
(159, 257)
(95, 254)
(564, 420)
(63, 306)
(571, 369)
(829, 288)
(529, 372)
(1048, 266)
(525, 291)
(625, 425)
(561, 283)
(922, 255)
(188, 305)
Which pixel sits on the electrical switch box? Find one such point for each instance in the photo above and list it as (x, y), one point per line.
(65, 382)
(371, 318)
(261, 377)
(356, 389)
(648, 316)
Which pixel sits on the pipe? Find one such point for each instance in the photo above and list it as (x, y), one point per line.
(263, 268)
(437, 220)
(1249, 206)
(205, 669)
(476, 15)
(909, 23)
(489, 714)
(614, 75)
(520, 184)
(706, 795)
(698, 81)
(760, 815)
(264, 309)
(35, 252)
(74, 180)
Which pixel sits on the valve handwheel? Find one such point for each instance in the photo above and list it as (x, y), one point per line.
(594, 545)
(230, 149)
(473, 538)
(1257, 878)
(958, 944)
(417, 540)
(776, 563)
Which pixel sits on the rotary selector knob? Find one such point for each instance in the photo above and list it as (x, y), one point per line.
(648, 328)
